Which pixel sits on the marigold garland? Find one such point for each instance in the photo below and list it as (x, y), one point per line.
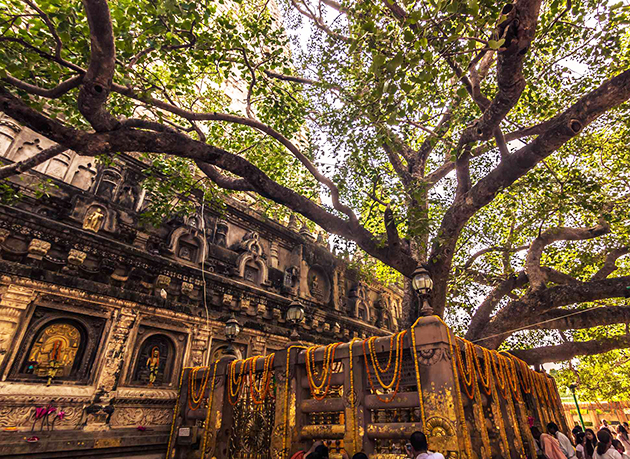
(459, 402)
(265, 380)
(353, 399)
(468, 375)
(486, 381)
(319, 391)
(209, 412)
(418, 381)
(176, 413)
(397, 369)
(286, 400)
(234, 395)
(195, 397)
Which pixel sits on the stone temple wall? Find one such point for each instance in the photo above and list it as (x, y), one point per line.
(99, 312)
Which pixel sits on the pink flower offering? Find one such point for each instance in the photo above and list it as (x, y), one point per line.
(61, 414)
(141, 428)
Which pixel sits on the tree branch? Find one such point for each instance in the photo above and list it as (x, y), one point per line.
(229, 183)
(100, 73)
(518, 30)
(178, 144)
(610, 265)
(537, 277)
(57, 91)
(525, 312)
(587, 318)
(567, 351)
(194, 116)
(485, 309)
(31, 162)
(481, 252)
(563, 128)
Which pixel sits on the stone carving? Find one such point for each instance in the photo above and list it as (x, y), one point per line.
(163, 281)
(38, 248)
(220, 238)
(293, 223)
(250, 243)
(318, 284)
(187, 288)
(116, 349)
(4, 234)
(76, 257)
(84, 176)
(108, 184)
(128, 196)
(8, 132)
(124, 417)
(94, 219)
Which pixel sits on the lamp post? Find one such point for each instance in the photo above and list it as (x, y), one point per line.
(232, 329)
(572, 387)
(423, 284)
(295, 315)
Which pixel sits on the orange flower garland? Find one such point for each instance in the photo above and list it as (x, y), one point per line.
(468, 375)
(397, 368)
(195, 396)
(485, 374)
(320, 390)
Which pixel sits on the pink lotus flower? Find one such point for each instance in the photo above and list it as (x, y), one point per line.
(141, 428)
(50, 409)
(40, 412)
(61, 414)
(530, 421)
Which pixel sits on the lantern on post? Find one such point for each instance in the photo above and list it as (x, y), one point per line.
(295, 315)
(423, 284)
(232, 330)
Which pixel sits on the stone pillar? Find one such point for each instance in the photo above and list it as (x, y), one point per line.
(117, 348)
(12, 307)
(199, 346)
(273, 254)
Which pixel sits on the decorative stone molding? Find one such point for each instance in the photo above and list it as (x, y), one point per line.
(141, 416)
(76, 257)
(227, 299)
(163, 281)
(187, 288)
(273, 254)
(14, 301)
(117, 348)
(4, 234)
(38, 248)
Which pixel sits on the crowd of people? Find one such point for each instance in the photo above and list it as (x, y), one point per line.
(607, 443)
(551, 445)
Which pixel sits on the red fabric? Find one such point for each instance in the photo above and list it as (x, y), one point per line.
(298, 455)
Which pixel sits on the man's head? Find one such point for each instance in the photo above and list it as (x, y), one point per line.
(552, 428)
(418, 442)
(536, 432)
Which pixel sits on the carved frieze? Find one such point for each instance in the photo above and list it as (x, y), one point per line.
(141, 416)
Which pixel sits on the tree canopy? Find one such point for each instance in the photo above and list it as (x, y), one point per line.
(484, 141)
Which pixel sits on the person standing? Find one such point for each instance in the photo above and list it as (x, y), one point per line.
(579, 445)
(622, 436)
(565, 444)
(605, 448)
(418, 447)
(590, 443)
(547, 444)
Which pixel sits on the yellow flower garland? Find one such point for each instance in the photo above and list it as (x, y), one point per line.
(175, 414)
(418, 382)
(207, 427)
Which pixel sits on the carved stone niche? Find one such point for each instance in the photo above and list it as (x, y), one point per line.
(187, 243)
(250, 264)
(8, 131)
(319, 285)
(58, 346)
(156, 359)
(108, 183)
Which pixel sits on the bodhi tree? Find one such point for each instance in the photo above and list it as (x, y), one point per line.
(484, 142)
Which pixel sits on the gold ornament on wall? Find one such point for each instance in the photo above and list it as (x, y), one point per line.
(94, 220)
